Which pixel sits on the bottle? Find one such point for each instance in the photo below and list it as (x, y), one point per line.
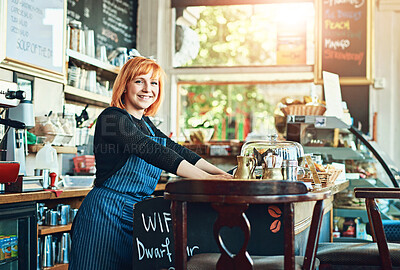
(336, 232)
(46, 158)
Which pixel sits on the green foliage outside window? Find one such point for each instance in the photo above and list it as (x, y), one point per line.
(210, 105)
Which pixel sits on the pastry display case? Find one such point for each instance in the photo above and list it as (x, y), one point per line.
(366, 165)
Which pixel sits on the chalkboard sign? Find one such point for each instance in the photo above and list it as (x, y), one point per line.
(153, 241)
(34, 34)
(345, 40)
(114, 22)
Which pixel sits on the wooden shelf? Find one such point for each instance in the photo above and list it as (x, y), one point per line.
(83, 96)
(60, 266)
(84, 59)
(34, 148)
(43, 230)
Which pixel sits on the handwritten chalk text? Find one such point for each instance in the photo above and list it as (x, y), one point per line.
(347, 56)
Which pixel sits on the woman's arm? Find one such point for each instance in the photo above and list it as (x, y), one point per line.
(208, 167)
(187, 170)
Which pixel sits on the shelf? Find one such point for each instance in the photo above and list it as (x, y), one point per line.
(319, 121)
(60, 266)
(337, 153)
(354, 213)
(93, 62)
(83, 96)
(43, 230)
(7, 261)
(350, 240)
(34, 148)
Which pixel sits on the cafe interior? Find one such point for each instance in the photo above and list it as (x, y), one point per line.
(296, 99)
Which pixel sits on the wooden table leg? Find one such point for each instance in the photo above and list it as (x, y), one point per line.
(313, 236)
(288, 224)
(179, 219)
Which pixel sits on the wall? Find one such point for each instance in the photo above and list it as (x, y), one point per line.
(387, 66)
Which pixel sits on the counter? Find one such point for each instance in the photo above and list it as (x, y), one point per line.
(49, 195)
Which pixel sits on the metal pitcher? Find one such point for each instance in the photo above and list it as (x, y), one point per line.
(47, 254)
(245, 168)
(64, 248)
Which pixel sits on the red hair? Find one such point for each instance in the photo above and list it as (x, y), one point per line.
(133, 68)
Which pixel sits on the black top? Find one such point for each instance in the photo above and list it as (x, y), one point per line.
(118, 135)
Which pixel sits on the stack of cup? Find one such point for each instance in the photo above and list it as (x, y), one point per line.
(90, 48)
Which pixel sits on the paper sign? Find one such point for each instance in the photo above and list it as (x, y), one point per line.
(333, 95)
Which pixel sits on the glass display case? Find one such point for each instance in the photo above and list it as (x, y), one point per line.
(365, 163)
(18, 235)
(273, 154)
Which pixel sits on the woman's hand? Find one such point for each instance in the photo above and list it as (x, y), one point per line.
(223, 176)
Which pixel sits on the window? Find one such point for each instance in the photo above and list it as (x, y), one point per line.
(242, 35)
(235, 63)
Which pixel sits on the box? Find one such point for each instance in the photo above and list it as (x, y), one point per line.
(78, 181)
(85, 163)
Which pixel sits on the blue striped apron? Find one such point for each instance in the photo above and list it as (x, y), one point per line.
(102, 233)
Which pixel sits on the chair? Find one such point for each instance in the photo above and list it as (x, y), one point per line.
(362, 255)
(230, 199)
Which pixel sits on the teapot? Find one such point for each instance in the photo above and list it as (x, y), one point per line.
(245, 168)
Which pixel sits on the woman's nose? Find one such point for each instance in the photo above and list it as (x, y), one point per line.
(146, 86)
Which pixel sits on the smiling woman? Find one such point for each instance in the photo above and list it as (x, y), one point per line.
(130, 155)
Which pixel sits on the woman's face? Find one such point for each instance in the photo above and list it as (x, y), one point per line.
(141, 92)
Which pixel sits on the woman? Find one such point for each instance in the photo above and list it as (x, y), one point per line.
(130, 154)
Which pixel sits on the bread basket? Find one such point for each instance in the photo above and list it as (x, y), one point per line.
(302, 109)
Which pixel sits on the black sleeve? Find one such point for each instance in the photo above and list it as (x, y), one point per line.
(119, 132)
(187, 154)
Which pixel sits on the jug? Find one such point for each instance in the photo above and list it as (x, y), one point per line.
(46, 158)
(245, 168)
(64, 248)
(47, 254)
(272, 168)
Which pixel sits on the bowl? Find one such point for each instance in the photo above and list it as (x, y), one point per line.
(199, 135)
(9, 171)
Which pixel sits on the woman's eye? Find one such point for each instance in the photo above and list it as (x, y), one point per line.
(138, 81)
(154, 83)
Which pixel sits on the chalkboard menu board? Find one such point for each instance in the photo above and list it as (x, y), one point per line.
(345, 40)
(153, 240)
(113, 21)
(34, 34)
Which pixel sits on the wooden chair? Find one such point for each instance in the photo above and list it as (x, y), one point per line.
(230, 199)
(378, 255)
(375, 220)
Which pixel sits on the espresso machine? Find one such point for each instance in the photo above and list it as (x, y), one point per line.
(16, 116)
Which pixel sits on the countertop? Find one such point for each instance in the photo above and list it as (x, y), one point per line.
(49, 195)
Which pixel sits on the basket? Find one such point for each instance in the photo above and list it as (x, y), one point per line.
(325, 177)
(303, 110)
(84, 163)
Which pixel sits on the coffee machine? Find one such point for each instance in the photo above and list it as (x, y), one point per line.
(16, 119)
